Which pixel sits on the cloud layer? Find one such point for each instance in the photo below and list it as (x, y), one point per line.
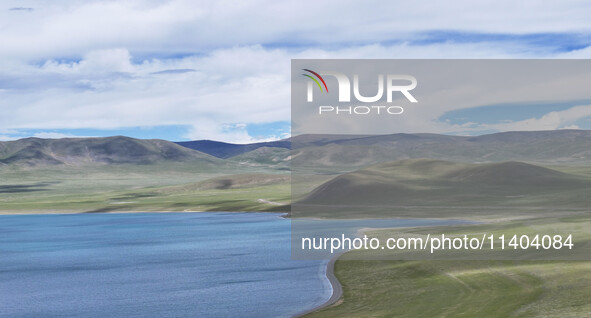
(216, 66)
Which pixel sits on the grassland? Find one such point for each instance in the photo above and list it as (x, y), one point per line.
(462, 289)
(154, 187)
(468, 288)
(444, 189)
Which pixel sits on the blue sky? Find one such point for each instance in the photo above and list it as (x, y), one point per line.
(187, 70)
(266, 131)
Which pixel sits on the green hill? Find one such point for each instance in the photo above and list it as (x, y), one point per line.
(441, 184)
(265, 156)
(84, 151)
(348, 152)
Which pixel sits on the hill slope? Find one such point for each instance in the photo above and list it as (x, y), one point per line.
(81, 151)
(350, 151)
(436, 183)
(265, 156)
(227, 150)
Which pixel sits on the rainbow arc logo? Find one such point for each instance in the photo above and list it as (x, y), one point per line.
(315, 80)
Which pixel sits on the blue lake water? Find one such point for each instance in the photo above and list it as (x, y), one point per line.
(159, 265)
(154, 265)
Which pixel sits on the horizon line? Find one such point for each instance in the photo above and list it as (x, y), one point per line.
(306, 134)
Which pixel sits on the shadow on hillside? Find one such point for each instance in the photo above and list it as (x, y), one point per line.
(22, 188)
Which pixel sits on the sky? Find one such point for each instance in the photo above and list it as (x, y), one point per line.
(220, 70)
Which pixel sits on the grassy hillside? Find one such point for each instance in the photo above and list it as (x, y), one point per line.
(351, 152)
(126, 174)
(468, 288)
(93, 151)
(526, 182)
(87, 169)
(441, 184)
(227, 150)
(265, 156)
(416, 289)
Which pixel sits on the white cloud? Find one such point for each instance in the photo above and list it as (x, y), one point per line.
(94, 62)
(72, 28)
(553, 120)
(111, 64)
(7, 138)
(105, 90)
(55, 135)
(235, 133)
(570, 127)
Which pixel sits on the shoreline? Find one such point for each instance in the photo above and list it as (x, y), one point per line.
(337, 288)
(285, 215)
(62, 212)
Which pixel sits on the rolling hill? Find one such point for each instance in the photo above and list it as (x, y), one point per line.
(227, 150)
(85, 151)
(274, 156)
(547, 169)
(355, 151)
(336, 152)
(349, 152)
(437, 183)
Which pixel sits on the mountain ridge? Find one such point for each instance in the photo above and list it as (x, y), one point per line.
(226, 150)
(99, 150)
(557, 146)
(346, 151)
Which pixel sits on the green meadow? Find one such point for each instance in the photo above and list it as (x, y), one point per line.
(154, 187)
(493, 287)
(385, 288)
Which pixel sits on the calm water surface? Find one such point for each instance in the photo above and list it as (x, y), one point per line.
(154, 265)
(161, 265)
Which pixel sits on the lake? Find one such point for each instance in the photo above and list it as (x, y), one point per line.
(154, 265)
(159, 265)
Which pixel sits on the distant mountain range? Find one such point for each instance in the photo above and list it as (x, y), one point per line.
(227, 150)
(84, 151)
(333, 151)
(555, 147)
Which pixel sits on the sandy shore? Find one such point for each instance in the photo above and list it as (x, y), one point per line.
(337, 289)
